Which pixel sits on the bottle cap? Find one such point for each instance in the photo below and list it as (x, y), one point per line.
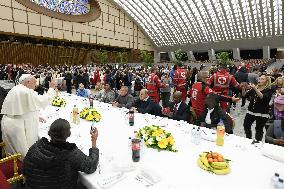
(280, 180)
(276, 174)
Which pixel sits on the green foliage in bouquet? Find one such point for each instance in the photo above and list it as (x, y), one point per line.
(157, 138)
(59, 102)
(90, 114)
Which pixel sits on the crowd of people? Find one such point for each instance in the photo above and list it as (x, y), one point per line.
(192, 94)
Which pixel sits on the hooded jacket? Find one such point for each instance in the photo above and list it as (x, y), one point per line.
(55, 165)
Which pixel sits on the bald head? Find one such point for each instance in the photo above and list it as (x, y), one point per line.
(143, 94)
(202, 76)
(177, 96)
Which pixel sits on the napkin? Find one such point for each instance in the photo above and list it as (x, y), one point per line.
(109, 180)
(274, 152)
(150, 175)
(208, 135)
(123, 167)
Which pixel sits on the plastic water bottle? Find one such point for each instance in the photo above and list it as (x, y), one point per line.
(274, 180)
(279, 184)
(193, 133)
(220, 133)
(198, 136)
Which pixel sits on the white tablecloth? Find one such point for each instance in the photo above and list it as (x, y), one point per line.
(250, 169)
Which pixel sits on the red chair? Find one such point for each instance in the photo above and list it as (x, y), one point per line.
(4, 184)
(11, 167)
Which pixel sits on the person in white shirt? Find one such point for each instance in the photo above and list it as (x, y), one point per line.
(21, 114)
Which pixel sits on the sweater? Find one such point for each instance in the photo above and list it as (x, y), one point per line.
(125, 101)
(50, 165)
(82, 93)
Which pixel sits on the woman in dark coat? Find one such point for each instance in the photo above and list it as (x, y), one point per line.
(258, 109)
(55, 164)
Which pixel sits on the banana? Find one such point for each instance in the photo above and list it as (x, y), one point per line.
(201, 165)
(219, 165)
(221, 171)
(204, 160)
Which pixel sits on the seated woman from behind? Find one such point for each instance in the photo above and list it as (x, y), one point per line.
(55, 164)
(275, 133)
(213, 114)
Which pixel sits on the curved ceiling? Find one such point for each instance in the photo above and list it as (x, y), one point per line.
(181, 22)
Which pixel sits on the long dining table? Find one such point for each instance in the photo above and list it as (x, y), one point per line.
(175, 170)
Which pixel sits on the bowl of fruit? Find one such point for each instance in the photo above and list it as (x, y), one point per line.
(214, 162)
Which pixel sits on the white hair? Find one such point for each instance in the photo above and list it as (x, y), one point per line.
(25, 77)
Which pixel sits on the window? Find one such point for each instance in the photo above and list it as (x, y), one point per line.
(75, 7)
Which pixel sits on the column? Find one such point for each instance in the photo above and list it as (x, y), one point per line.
(236, 54)
(211, 54)
(190, 55)
(157, 57)
(172, 56)
(266, 52)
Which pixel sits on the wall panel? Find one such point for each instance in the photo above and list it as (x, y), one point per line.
(113, 27)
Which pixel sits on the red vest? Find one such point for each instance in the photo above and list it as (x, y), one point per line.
(221, 82)
(197, 97)
(151, 84)
(180, 77)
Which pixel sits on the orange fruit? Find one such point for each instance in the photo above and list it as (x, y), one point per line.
(215, 160)
(209, 155)
(220, 159)
(214, 155)
(210, 160)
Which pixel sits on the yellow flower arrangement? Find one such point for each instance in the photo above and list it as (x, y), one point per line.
(157, 138)
(59, 102)
(90, 114)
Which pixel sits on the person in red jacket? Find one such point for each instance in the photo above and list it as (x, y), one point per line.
(179, 81)
(153, 84)
(200, 90)
(96, 78)
(220, 83)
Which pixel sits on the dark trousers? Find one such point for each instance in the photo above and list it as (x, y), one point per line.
(69, 88)
(165, 96)
(260, 123)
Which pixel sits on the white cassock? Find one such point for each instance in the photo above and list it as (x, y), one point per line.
(21, 118)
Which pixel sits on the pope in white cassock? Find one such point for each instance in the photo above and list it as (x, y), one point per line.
(21, 114)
